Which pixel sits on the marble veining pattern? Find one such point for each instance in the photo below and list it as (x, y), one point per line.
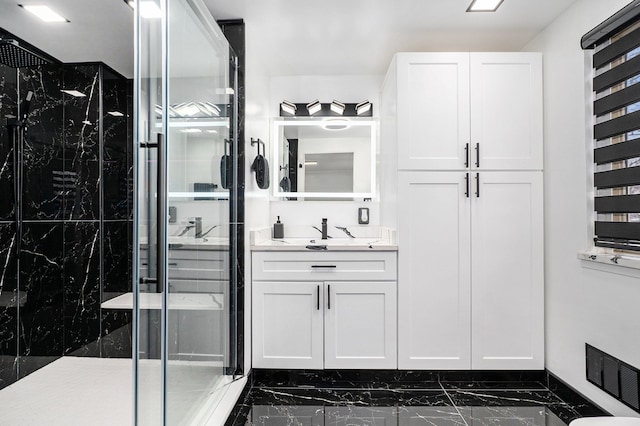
(51, 306)
(402, 398)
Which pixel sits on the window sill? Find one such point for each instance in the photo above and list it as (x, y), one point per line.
(609, 261)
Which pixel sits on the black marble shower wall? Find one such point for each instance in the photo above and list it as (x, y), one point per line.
(76, 228)
(8, 281)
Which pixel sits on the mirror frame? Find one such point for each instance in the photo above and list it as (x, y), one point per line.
(278, 124)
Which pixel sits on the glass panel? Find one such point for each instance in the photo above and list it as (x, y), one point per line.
(148, 297)
(198, 197)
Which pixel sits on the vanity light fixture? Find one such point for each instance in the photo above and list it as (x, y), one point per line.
(484, 5)
(288, 107)
(363, 107)
(314, 107)
(337, 107)
(44, 12)
(73, 93)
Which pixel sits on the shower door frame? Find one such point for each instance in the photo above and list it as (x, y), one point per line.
(232, 367)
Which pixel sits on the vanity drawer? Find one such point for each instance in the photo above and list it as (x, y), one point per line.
(274, 266)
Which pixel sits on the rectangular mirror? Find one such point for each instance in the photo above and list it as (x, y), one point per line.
(328, 159)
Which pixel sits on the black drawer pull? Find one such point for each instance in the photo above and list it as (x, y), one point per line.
(318, 303)
(323, 266)
(328, 296)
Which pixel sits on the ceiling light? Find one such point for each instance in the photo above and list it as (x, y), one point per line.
(363, 107)
(116, 113)
(337, 107)
(43, 12)
(150, 10)
(310, 163)
(288, 107)
(484, 5)
(314, 107)
(74, 93)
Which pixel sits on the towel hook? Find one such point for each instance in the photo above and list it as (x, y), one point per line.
(259, 142)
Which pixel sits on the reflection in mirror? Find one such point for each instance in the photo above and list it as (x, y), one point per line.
(321, 160)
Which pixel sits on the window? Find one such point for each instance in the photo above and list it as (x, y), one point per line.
(616, 86)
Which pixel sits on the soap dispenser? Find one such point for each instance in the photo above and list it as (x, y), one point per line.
(278, 229)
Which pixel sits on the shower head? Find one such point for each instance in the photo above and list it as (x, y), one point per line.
(16, 56)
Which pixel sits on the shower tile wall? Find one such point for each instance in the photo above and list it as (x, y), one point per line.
(8, 281)
(77, 228)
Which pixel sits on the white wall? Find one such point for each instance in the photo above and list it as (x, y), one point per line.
(582, 304)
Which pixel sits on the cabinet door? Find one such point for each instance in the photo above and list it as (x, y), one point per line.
(434, 271)
(360, 325)
(507, 269)
(506, 111)
(287, 325)
(433, 110)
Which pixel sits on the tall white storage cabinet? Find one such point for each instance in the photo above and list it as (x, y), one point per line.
(462, 182)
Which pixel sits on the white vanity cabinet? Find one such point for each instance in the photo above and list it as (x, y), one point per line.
(314, 310)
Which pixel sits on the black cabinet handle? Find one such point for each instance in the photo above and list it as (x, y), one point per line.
(161, 254)
(323, 266)
(318, 302)
(328, 296)
(466, 179)
(466, 155)
(477, 185)
(477, 155)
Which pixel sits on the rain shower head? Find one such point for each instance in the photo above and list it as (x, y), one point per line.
(16, 56)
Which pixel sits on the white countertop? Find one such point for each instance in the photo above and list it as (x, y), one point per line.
(206, 243)
(177, 301)
(364, 239)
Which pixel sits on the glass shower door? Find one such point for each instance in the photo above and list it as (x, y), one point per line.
(185, 105)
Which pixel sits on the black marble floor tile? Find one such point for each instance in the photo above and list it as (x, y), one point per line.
(347, 397)
(483, 402)
(487, 398)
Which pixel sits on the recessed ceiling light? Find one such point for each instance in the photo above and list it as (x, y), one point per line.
(74, 93)
(43, 12)
(116, 113)
(484, 5)
(363, 107)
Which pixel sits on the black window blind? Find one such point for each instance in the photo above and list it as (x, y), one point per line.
(616, 155)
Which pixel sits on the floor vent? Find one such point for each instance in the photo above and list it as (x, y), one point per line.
(615, 377)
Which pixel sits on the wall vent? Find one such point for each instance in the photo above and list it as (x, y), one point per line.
(615, 377)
